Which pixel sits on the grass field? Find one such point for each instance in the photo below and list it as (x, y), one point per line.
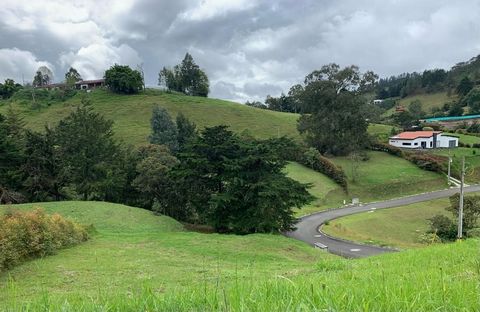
(398, 227)
(472, 162)
(162, 268)
(385, 176)
(134, 249)
(131, 114)
(428, 101)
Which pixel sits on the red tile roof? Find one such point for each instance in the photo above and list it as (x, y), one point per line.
(412, 135)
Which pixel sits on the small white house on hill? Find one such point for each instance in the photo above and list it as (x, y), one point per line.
(423, 139)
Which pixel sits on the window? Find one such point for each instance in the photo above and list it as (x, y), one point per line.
(416, 143)
(406, 144)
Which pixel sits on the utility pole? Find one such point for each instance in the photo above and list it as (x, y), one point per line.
(460, 208)
(449, 164)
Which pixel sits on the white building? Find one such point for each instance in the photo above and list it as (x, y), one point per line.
(423, 139)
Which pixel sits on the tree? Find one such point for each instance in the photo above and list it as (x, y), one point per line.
(471, 209)
(415, 109)
(164, 131)
(155, 162)
(8, 88)
(42, 170)
(256, 104)
(472, 99)
(43, 76)
(87, 149)
(186, 77)
(123, 79)
(187, 130)
(456, 109)
(236, 185)
(337, 122)
(405, 119)
(72, 77)
(464, 86)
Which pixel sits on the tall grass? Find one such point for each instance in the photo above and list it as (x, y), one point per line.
(443, 278)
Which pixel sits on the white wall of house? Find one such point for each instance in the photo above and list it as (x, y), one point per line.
(443, 141)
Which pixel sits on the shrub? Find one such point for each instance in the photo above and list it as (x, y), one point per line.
(474, 233)
(443, 227)
(392, 150)
(33, 234)
(427, 129)
(428, 162)
(313, 159)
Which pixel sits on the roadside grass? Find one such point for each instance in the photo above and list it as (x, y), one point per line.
(134, 249)
(328, 193)
(396, 227)
(440, 278)
(132, 113)
(384, 176)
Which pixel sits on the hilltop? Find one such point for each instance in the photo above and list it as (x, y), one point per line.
(131, 113)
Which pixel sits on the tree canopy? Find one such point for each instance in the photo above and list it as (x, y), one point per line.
(123, 79)
(186, 77)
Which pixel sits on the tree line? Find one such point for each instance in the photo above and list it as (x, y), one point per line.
(211, 176)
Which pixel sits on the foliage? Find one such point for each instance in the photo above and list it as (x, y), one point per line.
(8, 88)
(88, 150)
(71, 77)
(337, 124)
(34, 234)
(186, 77)
(428, 162)
(313, 159)
(465, 85)
(443, 227)
(123, 79)
(456, 109)
(186, 130)
(237, 185)
(472, 100)
(415, 109)
(43, 76)
(256, 104)
(471, 209)
(405, 119)
(164, 130)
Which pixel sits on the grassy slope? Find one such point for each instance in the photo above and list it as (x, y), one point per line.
(398, 227)
(428, 101)
(132, 113)
(385, 176)
(135, 249)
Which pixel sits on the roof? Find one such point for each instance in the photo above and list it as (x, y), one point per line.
(90, 81)
(412, 135)
(452, 118)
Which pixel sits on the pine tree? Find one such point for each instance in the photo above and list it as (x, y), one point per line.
(164, 131)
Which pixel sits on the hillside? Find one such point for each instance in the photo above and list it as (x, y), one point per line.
(164, 269)
(135, 249)
(131, 114)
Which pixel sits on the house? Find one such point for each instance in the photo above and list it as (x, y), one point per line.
(377, 102)
(423, 139)
(90, 84)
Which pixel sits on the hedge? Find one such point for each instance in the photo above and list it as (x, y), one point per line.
(34, 234)
(314, 160)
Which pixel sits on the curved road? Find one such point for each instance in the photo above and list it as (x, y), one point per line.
(308, 227)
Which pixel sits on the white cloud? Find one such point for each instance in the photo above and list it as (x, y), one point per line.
(18, 65)
(207, 9)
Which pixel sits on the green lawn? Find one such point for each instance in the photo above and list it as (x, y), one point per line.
(399, 227)
(428, 101)
(134, 249)
(131, 114)
(385, 176)
(328, 193)
(379, 131)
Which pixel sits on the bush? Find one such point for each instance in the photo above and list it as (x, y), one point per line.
(313, 159)
(392, 150)
(123, 79)
(474, 233)
(443, 227)
(428, 162)
(33, 234)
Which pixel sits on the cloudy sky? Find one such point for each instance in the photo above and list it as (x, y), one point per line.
(249, 48)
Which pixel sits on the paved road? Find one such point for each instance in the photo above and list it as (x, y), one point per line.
(308, 227)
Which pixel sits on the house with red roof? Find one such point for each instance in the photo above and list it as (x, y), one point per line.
(423, 140)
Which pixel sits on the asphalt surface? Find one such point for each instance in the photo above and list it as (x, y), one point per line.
(309, 231)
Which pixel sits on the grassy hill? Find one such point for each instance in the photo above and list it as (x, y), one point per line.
(135, 249)
(398, 227)
(155, 266)
(131, 114)
(429, 101)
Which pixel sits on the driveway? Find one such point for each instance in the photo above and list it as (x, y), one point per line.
(308, 227)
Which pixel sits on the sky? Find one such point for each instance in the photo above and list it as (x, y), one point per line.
(248, 48)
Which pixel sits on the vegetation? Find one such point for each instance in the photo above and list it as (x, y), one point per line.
(8, 88)
(164, 130)
(25, 235)
(186, 78)
(122, 79)
(401, 227)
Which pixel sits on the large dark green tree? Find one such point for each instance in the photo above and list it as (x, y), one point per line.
(337, 122)
(123, 79)
(472, 100)
(71, 77)
(187, 130)
(238, 185)
(88, 150)
(465, 85)
(186, 77)
(164, 130)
